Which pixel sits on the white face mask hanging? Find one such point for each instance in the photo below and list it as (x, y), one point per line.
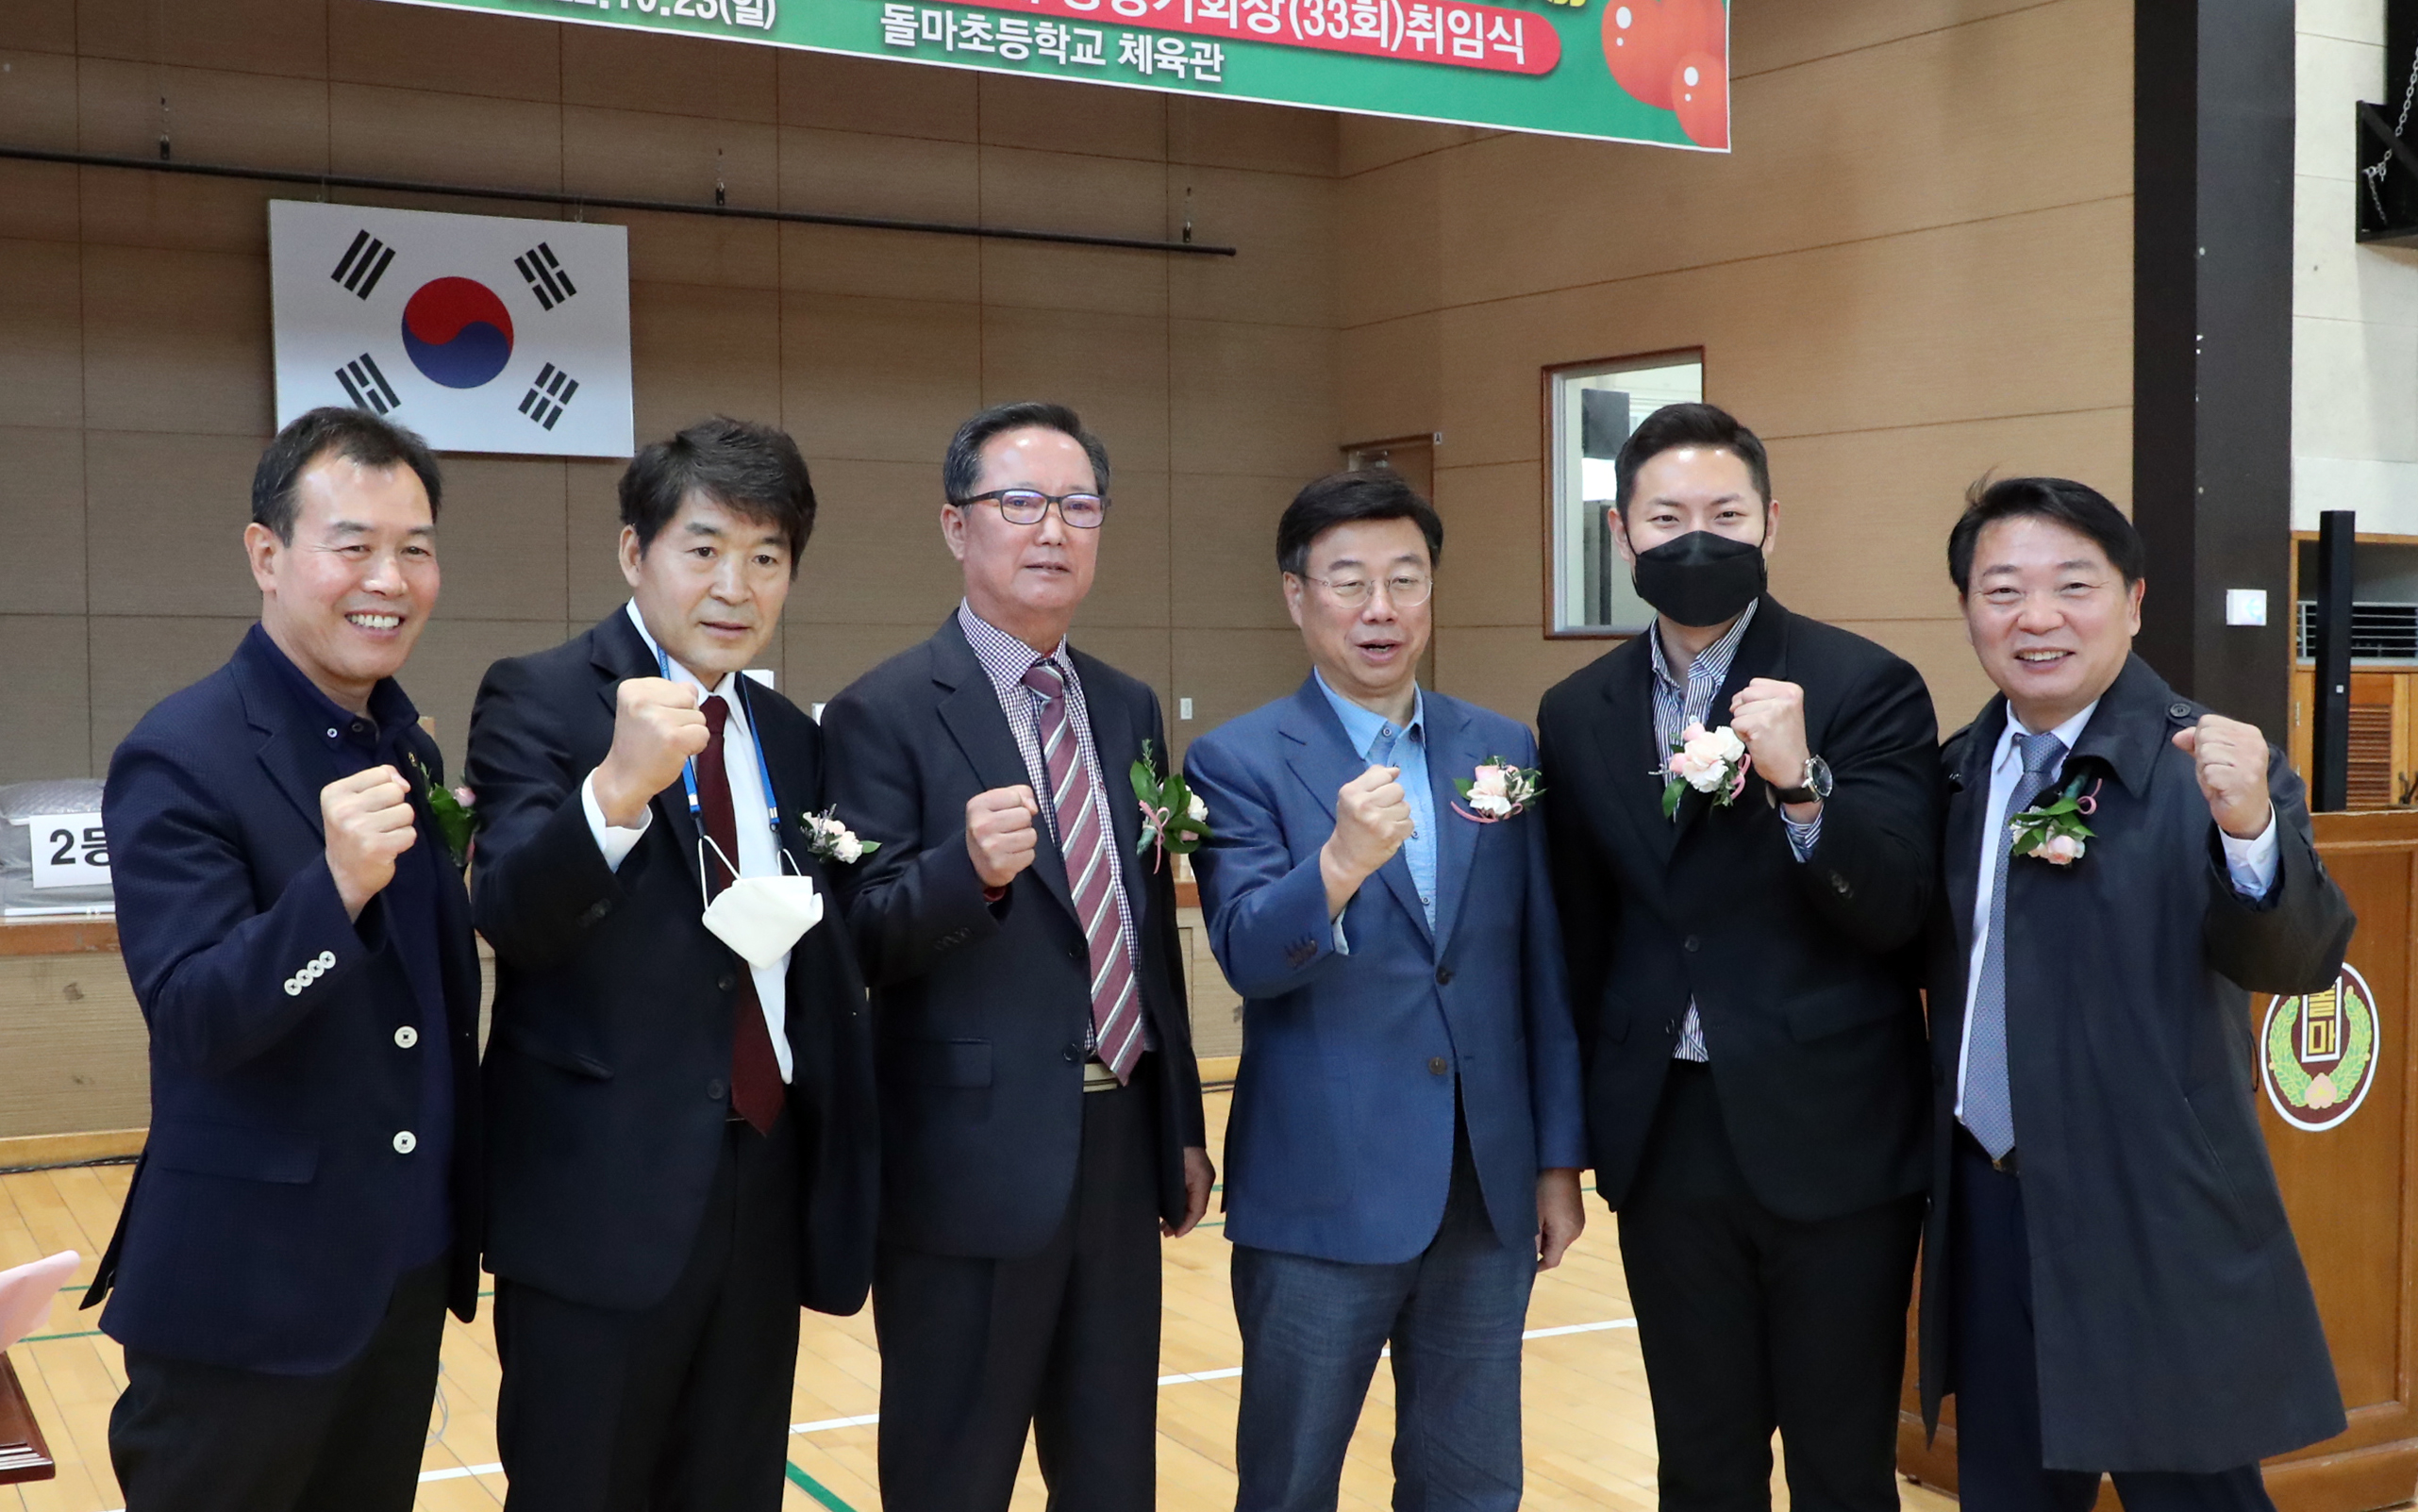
(761, 918)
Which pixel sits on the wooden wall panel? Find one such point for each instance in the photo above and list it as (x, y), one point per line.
(1915, 268)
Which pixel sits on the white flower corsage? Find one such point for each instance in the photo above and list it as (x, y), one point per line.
(1711, 761)
(1498, 790)
(2055, 831)
(832, 840)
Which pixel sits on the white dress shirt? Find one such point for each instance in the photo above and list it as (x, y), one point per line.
(759, 855)
(2251, 863)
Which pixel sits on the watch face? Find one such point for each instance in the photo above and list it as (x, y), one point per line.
(1817, 776)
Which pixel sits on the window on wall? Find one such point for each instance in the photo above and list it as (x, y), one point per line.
(1590, 409)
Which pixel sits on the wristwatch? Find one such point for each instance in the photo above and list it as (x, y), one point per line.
(1813, 788)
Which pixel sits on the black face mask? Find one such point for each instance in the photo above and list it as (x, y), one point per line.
(1701, 579)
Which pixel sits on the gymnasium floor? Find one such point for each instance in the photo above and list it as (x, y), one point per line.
(1590, 1430)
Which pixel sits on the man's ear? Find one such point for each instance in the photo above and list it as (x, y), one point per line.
(261, 548)
(631, 553)
(1771, 525)
(953, 530)
(1620, 534)
(1293, 590)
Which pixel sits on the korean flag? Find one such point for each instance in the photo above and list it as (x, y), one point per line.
(482, 333)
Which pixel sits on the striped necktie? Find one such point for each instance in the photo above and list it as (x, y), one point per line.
(1989, 1098)
(1116, 1009)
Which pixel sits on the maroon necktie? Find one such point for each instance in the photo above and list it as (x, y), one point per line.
(1116, 1015)
(755, 1074)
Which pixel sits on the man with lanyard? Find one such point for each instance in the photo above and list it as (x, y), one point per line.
(685, 1136)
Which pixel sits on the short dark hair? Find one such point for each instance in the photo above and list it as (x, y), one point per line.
(1687, 424)
(962, 469)
(355, 435)
(753, 470)
(1341, 498)
(2077, 506)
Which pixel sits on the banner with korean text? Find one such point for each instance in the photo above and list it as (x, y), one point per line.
(1643, 70)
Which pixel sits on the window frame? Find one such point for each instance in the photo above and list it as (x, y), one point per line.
(1550, 471)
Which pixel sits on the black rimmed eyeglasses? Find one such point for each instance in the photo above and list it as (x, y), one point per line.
(1026, 507)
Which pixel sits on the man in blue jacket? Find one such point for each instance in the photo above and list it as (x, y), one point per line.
(1407, 1130)
(294, 923)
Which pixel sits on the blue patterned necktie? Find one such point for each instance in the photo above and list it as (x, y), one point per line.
(1988, 1105)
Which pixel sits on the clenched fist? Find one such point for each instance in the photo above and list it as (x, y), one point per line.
(999, 833)
(367, 818)
(656, 728)
(1768, 715)
(2230, 759)
(1372, 819)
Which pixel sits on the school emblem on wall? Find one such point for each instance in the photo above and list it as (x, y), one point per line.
(2320, 1053)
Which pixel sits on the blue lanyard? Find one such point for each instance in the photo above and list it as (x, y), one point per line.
(764, 767)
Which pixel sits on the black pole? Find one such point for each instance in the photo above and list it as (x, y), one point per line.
(2212, 355)
(2329, 735)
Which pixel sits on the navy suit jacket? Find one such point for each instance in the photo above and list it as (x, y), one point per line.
(269, 1218)
(1341, 1142)
(607, 1075)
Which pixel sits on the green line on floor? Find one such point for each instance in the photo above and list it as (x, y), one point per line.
(817, 1490)
(46, 1339)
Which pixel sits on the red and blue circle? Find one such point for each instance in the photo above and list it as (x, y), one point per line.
(457, 332)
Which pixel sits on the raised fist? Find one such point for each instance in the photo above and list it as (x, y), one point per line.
(656, 728)
(368, 821)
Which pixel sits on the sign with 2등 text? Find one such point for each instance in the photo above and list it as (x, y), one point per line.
(1643, 70)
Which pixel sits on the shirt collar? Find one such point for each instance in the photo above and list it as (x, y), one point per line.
(389, 710)
(1714, 659)
(2068, 734)
(1005, 658)
(1364, 727)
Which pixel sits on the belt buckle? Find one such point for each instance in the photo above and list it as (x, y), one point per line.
(1098, 1077)
(2006, 1164)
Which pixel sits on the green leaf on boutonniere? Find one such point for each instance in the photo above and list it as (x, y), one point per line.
(1173, 817)
(457, 821)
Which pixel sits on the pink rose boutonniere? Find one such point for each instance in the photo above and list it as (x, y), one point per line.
(1498, 790)
(1711, 761)
(2053, 831)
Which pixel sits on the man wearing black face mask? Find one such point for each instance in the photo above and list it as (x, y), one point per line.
(1739, 909)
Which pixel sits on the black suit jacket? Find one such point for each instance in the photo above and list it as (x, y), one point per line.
(608, 1062)
(982, 1009)
(1805, 972)
(267, 1223)
(2175, 1324)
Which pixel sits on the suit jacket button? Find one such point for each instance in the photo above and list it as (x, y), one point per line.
(1444, 976)
(2179, 710)
(406, 1037)
(714, 1090)
(1436, 1064)
(1074, 1052)
(1690, 945)
(726, 981)
(405, 1143)
(1075, 952)
(1839, 885)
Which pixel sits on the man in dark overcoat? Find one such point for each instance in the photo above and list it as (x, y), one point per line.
(2109, 1283)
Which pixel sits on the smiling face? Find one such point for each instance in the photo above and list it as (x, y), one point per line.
(346, 599)
(1027, 580)
(1369, 652)
(1688, 489)
(2049, 616)
(711, 585)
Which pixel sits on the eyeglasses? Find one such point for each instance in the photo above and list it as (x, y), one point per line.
(1404, 590)
(1026, 507)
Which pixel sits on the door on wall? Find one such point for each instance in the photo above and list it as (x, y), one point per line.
(1414, 458)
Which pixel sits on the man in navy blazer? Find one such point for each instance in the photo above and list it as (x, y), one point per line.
(1403, 1154)
(299, 939)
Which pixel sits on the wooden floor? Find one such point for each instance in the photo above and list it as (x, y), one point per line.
(1590, 1430)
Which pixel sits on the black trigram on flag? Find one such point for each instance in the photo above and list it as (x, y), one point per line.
(365, 385)
(544, 275)
(547, 396)
(363, 265)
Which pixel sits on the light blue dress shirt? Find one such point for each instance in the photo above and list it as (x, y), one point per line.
(1379, 744)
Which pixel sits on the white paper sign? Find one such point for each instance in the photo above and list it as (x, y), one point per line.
(483, 333)
(70, 851)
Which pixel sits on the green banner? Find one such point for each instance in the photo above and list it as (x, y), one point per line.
(1644, 71)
